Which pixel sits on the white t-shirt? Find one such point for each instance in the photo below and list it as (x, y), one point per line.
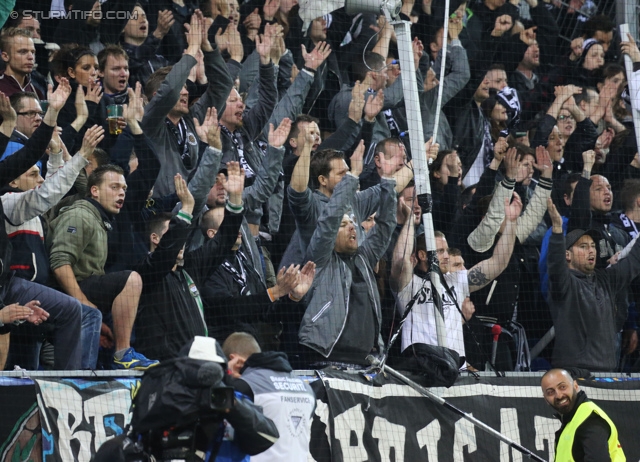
(420, 326)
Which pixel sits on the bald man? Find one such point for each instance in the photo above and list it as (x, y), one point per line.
(587, 433)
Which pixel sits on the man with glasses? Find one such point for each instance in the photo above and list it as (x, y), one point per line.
(30, 114)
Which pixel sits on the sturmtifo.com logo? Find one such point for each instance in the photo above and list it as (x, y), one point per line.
(75, 14)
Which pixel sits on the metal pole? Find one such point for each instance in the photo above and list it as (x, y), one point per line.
(420, 168)
(445, 42)
(438, 400)
(543, 342)
(628, 64)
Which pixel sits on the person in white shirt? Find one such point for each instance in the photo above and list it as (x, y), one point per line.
(410, 280)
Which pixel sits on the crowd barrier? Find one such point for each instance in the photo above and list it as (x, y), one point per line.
(357, 418)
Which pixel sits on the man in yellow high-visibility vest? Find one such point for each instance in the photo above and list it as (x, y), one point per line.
(587, 433)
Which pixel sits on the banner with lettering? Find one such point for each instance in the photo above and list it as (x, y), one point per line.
(360, 418)
(79, 415)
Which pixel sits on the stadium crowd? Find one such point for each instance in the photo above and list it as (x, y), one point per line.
(193, 168)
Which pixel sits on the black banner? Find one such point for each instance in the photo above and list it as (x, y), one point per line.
(357, 418)
(79, 415)
(20, 433)
(378, 419)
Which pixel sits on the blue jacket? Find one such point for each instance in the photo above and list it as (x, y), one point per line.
(542, 262)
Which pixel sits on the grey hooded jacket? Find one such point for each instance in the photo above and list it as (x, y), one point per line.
(328, 300)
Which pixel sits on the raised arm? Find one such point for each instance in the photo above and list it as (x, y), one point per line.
(258, 116)
(201, 262)
(9, 118)
(534, 213)
(159, 262)
(24, 158)
(460, 71)
(290, 105)
(481, 239)
(559, 275)
(141, 181)
(169, 92)
(21, 207)
(220, 81)
(269, 171)
(402, 264)
(486, 271)
(206, 173)
(300, 176)
(378, 239)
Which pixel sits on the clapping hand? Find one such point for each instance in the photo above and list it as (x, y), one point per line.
(513, 208)
(38, 315)
(183, 193)
(92, 137)
(58, 97)
(278, 136)
(317, 56)
(209, 131)
(234, 183)
(307, 273)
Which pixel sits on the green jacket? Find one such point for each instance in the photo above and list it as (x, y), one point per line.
(79, 239)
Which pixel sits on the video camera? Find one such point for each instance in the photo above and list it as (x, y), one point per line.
(178, 409)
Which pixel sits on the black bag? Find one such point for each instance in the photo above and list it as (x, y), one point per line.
(438, 366)
(177, 393)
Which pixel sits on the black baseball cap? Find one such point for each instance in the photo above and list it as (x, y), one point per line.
(572, 237)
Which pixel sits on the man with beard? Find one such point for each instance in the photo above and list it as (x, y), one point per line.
(587, 433)
(582, 299)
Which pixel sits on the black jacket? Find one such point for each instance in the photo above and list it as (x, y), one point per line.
(169, 315)
(468, 134)
(144, 60)
(231, 306)
(128, 245)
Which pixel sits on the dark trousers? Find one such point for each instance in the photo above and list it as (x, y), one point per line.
(65, 315)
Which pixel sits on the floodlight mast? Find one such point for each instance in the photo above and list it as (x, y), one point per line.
(391, 10)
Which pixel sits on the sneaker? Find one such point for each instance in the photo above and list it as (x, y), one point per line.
(131, 360)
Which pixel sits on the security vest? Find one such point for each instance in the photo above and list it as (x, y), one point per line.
(289, 401)
(564, 450)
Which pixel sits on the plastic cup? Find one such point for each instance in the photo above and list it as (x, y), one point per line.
(114, 115)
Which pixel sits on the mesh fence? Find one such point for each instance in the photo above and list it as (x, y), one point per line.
(458, 191)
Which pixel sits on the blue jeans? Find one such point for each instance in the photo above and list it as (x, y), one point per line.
(66, 317)
(91, 324)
